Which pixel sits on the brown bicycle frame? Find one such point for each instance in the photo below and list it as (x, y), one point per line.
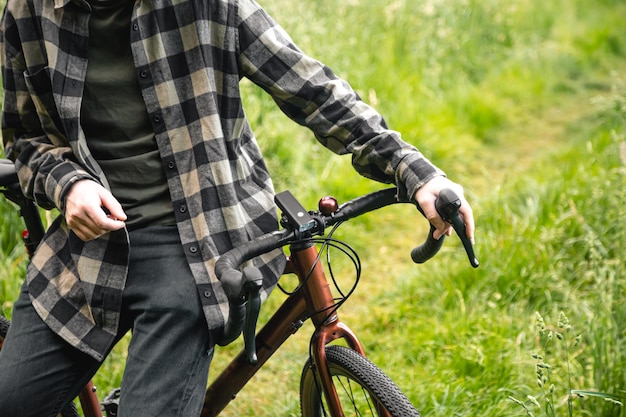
(313, 300)
(89, 401)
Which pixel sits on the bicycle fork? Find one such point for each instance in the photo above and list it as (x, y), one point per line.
(328, 326)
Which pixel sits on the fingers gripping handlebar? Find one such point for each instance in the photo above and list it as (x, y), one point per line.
(447, 205)
(242, 288)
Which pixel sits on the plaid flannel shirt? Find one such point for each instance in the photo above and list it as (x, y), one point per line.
(190, 56)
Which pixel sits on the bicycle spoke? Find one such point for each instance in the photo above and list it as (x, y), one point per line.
(362, 389)
(358, 400)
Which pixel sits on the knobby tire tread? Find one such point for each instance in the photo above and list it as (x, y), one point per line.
(4, 326)
(349, 363)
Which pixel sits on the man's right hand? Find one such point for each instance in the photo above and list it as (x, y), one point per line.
(86, 206)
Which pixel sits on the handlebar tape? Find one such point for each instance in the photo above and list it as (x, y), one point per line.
(428, 249)
(364, 204)
(232, 259)
(447, 205)
(234, 282)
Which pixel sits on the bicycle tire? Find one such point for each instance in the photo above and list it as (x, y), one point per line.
(363, 388)
(4, 327)
(70, 410)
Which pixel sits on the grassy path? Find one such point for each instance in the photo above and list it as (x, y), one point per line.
(533, 139)
(523, 86)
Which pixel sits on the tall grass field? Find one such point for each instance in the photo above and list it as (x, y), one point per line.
(524, 103)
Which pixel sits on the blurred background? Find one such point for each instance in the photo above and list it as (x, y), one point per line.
(523, 102)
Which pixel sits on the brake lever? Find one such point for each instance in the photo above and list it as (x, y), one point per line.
(253, 307)
(253, 281)
(447, 206)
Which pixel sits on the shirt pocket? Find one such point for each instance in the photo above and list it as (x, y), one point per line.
(40, 89)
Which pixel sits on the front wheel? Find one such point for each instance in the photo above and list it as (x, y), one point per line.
(363, 389)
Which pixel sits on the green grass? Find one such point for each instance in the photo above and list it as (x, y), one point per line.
(524, 103)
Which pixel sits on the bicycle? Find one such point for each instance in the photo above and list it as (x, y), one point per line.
(337, 379)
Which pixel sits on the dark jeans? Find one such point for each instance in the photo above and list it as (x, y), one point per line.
(168, 356)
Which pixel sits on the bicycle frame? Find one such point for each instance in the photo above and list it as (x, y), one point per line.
(89, 401)
(313, 300)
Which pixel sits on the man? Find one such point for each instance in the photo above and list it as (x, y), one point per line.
(126, 116)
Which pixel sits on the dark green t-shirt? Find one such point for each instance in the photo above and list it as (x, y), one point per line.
(115, 119)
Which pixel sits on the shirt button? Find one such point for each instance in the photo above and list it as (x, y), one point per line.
(157, 119)
(193, 249)
(171, 165)
(183, 208)
(143, 73)
(135, 26)
(207, 293)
